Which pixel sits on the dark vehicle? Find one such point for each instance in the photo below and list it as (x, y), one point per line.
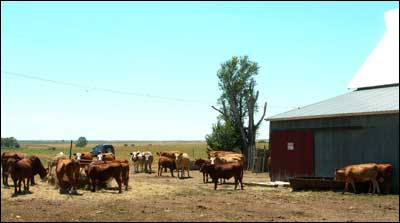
(103, 148)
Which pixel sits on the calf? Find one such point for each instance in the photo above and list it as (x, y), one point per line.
(20, 169)
(202, 164)
(226, 171)
(148, 161)
(138, 161)
(104, 171)
(166, 162)
(182, 163)
(67, 172)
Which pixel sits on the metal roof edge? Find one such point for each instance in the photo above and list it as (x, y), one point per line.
(333, 115)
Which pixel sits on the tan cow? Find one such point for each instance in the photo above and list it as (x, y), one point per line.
(67, 172)
(360, 173)
(182, 161)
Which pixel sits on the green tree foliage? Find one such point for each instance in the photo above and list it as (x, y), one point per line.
(82, 142)
(10, 142)
(223, 137)
(238, 102)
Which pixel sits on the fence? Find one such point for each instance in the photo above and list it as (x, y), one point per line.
(260, 161)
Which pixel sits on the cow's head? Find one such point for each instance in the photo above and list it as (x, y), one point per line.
(146, 156)
(134, 155)
(100, 156)
(178, 156)
(212, 160)
(78, 156)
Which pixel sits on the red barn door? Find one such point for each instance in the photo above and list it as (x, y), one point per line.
(292, 154)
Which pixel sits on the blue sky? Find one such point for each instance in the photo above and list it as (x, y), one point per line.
(307, 52)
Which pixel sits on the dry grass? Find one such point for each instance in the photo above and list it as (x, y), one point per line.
(166, 198)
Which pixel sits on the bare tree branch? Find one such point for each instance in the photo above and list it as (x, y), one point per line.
(259, 122)
(218, 110)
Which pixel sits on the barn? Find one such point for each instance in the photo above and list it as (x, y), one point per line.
(360, 126)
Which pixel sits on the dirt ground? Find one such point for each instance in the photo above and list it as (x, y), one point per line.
(152, 198)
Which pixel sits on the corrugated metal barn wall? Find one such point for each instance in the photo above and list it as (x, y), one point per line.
(350, 140)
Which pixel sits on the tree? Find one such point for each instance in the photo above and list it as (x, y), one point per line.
(82, 142)
(223, 137)
(10, 142)
(238, 102)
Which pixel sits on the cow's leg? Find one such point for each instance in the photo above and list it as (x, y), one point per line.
(236, 182)
(346, 187)
(118, 179)
(126, 182)
(370, 187)
(204, 178)
(19, 185)
(354, 186)
(33, 180)
(172, 172)
(5, 178)
(215, 183)
(15, 186)
(93, 184)
(27, 184)
(376, 186)
(158, 171)
(188, 171)
(241, 181)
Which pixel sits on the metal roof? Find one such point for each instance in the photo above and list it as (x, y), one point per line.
(359, 102)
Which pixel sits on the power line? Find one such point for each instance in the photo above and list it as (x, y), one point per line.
(87, 88)
(104, 89)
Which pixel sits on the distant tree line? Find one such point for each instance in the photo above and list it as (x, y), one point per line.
(10, 142)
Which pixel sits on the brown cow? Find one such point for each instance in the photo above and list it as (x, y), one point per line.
(101, 172)
(170, 154)
(4, 163)
(226, 171)
(125, 171)
(67, 172)
(38, 167)
(106, 156)
(84, 156)
(166, 162)
(361, 173)
(20, 169)
(201, 163)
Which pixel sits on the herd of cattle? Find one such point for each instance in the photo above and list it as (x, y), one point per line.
(220, 165)
(23, 167)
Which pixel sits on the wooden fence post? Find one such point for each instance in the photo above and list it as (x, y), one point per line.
(70, 150)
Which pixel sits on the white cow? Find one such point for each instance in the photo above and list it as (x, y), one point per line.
(138, 161)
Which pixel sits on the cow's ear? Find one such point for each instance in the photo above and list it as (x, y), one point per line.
(74, 154)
